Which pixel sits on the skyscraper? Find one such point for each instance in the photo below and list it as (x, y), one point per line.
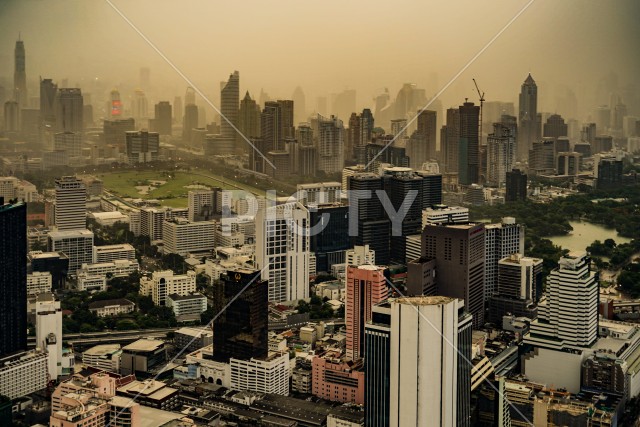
(417, 363)
(459, 253)
(282, 250)
(189, 123)
(555, 127)
(501, 155)
(366, 285)
(249, 117)
(330, 145)
(142, 146)
(427, 132)
(71, 204)
(49, 331)
(48, 91)
(501, 240)
(241, 329)
(450, 140)
(69, 110)
(20, 75)
(162, 118)
(527, 117)
(516, 183)
(70, 142)
(300, 105)
(229, 103)
(271, 126)
(469, 147)
(13, 277)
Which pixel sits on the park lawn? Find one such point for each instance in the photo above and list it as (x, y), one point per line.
(172, 193)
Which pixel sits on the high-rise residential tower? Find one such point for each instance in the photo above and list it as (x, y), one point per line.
(529, 131)
(366, 286)
(13, 277)
(69, 110)
(501, 240)
(229, 103)
(501, 155)
(162, 118)
(71, 204)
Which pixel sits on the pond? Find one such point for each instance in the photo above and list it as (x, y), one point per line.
(584, 233)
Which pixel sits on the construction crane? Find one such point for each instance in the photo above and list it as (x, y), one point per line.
(481, 95)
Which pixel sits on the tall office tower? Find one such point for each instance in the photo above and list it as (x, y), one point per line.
(189, 97)
(501, 240)
(142, 146)
(366, 286)
(400, 187)
(516, 186)
(145, 78)
(288, 125)
(555, 127)
(115, 104)
(417, 358)
(48, 91)
(332, 239)
(431, 188)
(71, 204)
(69, 142)
(352, 137)
(13, 277)
(588, 132)
(469, 147)
(459, 253)
(11, 116)
(527, 117)
(140, 107)
(69, 110)
(300, 105)
(373, 226)
(249, 118)
(520, 277)
(366, 126)
(203, 204)
(162, 118)
(178, 110)
(49, 331)
(343, 103)
(568, 312)
(241, 330)
(608, 172)
(450, 140)
(568, 163)
(282, 250)
(618, 112)
(501, 155)
(20, 75)
(115, 132)
(271, 126)
(229, 103)
(542, 157)
(427, 130)
(189, 123)
(330, 145)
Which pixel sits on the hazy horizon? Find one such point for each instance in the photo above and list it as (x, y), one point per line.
(573, 44)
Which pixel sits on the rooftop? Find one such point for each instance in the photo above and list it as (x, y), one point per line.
(145, 344)
(103, 350)
(424, 300)
(110, 303)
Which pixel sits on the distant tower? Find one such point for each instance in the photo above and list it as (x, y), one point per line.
(69, 110)
(229, 103)
(140, 106)
(48, 91)
(145, 78)
(450, 140)
(300, 106)
(528, 117)
(501, 154)
(189, 97)
(20, 75)
(189, 123)
(162, 121)
(249, 117)
(555, 127)
(115, 105)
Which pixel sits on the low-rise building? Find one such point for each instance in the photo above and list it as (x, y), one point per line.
(268, 375)
(180, 236)
(23, 373)
(164, 283)
(105, 357)
(152, 393)
(187, 307)
(112, 307)
(108, 253)
(91, 283)
(116, 268)
(39, 282)
(192, 339)
(337, 378)
(142, 357)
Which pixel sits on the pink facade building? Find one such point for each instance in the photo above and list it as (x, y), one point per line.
(366, 286)
(337, 378)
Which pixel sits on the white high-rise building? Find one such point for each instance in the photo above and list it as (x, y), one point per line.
(360, 255)
(501, 240)
(164, 283)
(568, 313)
(75, 244)
(181, 236)
(49, 331)
(39, 282)
(23, 373)
(282, 250)
(71, 204)
(202, 204)
(424, 373)
(269, 375)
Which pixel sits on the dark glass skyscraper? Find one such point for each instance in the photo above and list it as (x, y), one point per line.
(516, 186)
(528, 117)
(241, 330)
(469, 147)
(13, 277)
(330, 243)
(373, 226)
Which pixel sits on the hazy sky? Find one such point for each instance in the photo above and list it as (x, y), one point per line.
(329, 45)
